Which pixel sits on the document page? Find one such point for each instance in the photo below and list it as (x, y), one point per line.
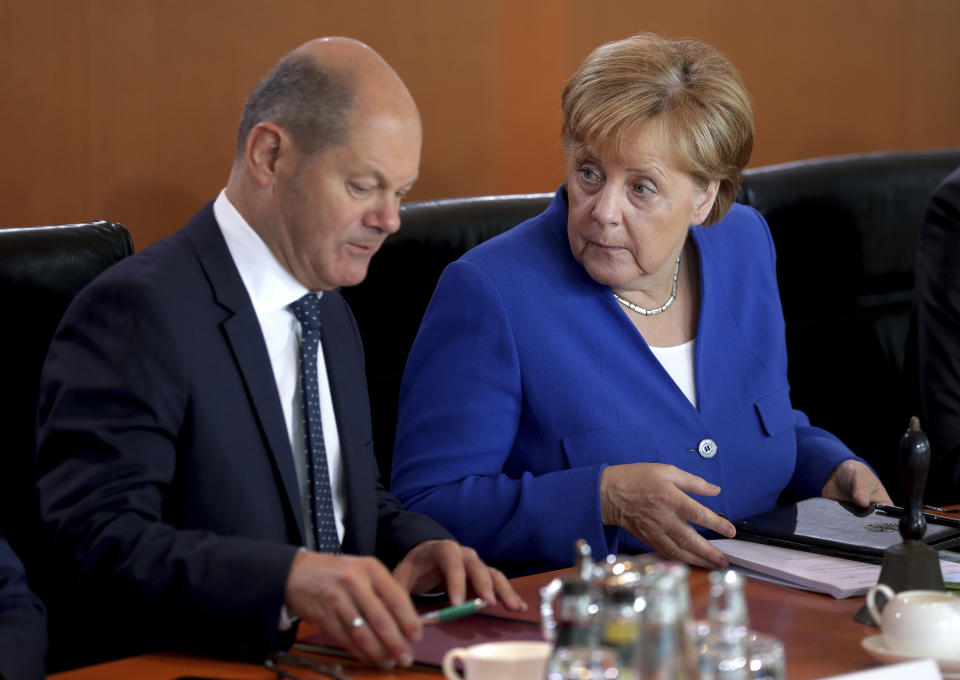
(821, 573)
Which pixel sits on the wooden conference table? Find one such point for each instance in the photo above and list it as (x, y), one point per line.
(819, 634)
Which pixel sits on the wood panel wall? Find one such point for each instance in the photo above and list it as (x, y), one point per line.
(126, 109)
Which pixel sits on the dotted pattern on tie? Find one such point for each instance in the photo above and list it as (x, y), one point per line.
(307, 311)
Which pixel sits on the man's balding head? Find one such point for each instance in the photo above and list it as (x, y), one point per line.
(329, 145)
(316, 90)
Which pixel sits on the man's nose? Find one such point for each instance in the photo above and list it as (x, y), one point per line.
(387, 215)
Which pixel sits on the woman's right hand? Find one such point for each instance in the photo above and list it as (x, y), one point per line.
(651, 501)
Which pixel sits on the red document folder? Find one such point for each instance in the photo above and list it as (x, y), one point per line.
(442, 637)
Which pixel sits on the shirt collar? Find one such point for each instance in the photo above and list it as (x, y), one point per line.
(268, 283)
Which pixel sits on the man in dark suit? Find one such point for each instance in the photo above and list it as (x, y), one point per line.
(179, 474)
(933, 349)
(23, 621)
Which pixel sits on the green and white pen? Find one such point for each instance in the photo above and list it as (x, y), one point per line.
(455, 612)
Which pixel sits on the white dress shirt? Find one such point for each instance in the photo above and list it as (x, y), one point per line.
(271, 288)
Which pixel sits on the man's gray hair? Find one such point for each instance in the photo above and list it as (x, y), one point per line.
(303, 98)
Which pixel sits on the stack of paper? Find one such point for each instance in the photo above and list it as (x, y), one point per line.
(820, 573)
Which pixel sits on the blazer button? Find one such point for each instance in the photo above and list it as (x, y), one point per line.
(707, 448)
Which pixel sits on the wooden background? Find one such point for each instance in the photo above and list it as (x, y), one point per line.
(127, 109)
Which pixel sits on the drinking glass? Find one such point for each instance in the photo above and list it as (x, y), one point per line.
(728, 601)
(583, 663)
(735, 653)
(766, 660)
(721, 651)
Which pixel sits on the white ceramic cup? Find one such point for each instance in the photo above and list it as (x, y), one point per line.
(520, 660)
(918, 622)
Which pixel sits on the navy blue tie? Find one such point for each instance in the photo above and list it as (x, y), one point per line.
(307, 311)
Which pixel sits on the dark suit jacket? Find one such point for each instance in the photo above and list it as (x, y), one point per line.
(166, 478)
(933, 354)
(23, 622)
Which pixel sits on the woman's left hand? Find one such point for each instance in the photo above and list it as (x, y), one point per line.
(853, 481)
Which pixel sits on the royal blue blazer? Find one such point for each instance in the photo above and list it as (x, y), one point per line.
(527, 379)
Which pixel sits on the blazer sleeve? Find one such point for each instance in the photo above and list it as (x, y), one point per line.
(112, 418)
(399, 530)
(23, 621)
(451, 466)
(818, 453)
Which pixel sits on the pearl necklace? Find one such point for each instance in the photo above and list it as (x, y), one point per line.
(662, 308)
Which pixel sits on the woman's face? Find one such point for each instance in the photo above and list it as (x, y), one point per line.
(630, 212)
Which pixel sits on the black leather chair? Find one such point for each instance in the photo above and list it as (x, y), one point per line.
(41, 269)
(846, 234)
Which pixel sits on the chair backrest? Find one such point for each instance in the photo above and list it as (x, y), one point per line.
(846, 231)
(41, 269)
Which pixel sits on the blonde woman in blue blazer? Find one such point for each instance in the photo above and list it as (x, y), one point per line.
(606, 370)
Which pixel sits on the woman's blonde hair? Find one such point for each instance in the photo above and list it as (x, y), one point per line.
(688, 88)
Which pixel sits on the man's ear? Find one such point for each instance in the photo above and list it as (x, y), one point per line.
(267, 145)
(703, 201)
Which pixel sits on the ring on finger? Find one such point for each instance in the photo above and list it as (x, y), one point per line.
(357, 622)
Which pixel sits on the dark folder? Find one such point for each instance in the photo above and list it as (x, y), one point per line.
(442, 637)
(829, 527)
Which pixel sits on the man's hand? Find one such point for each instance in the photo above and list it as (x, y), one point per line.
(650, 501)
(334, 591)
(434, 563)
(854, 481)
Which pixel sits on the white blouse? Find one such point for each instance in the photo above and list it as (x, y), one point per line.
(678, 362)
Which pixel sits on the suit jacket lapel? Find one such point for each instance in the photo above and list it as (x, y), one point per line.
(243, 334)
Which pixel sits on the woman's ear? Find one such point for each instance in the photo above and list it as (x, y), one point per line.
(703, 200)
